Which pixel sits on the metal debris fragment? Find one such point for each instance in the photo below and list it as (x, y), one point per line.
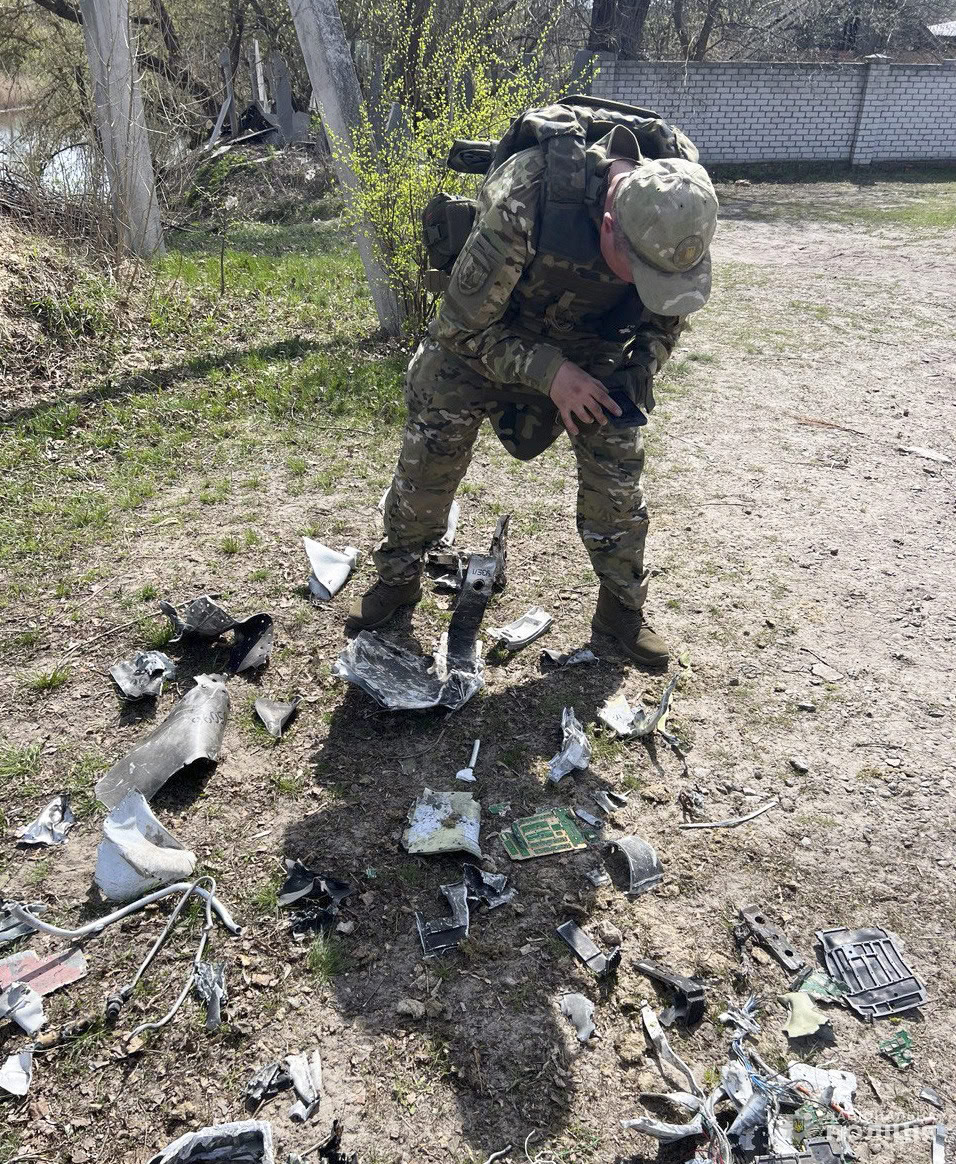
(22, 1004)
(51, 826)
(210, 985)
(804, 1018)
(330, 569)
(595, 959)
(445, 933)
(522, 631)
(580, 1011)
(473, 598)
(275, 714)
(643, 864)
(819, 985)
(244, 1142)
(731, 822)
(267, 1082)
(870, 963)
(317, 895)
(575, 748)
(400, 681)
(43, 975)
(665, 1054)
(689, 1003)
(931, 1095)
(625, 720)
(16, 1074)
(305, 1071)
(491, 888)
(202, 618)
(589, 819)
(598, 877)
(898, 1049)
(468, 773)
(443, 822)
(137, 853)
(13, 928)
(144, 674)
(547, 832)
(609, 801)
(771, 938)
(254, 639)
(499, 550)
(574, 658)
(192, 731)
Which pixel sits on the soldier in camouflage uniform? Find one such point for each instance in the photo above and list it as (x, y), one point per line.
(531, 339)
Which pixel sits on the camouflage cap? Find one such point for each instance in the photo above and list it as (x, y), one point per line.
(667, 210)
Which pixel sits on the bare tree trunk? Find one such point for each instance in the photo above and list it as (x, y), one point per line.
(699, 51)
(122, 125)
(318, 26)
(633, 16)
(601, 37)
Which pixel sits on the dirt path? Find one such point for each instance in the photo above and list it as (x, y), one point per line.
(788, 530)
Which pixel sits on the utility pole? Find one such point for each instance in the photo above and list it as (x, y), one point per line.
(122, 125)
(318, 26)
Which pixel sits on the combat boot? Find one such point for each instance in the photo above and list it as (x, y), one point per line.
(630, 630)
(378, 604)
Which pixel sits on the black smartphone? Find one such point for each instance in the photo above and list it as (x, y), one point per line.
(631, 416)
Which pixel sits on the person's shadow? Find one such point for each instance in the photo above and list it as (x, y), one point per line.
(492, 1023)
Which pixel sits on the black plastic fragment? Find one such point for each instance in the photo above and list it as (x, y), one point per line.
(202, 618)
(599, 963)
(871, 966)
(267, 1082)
(771, 938)
(689, 1005)
(318, 895)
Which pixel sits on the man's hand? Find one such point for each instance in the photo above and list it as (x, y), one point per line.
(579, 396)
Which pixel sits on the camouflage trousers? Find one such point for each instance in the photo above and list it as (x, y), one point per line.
(446, 405)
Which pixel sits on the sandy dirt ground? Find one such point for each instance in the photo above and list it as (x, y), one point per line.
(803, 566)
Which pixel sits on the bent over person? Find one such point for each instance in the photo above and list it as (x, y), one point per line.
(564, 302)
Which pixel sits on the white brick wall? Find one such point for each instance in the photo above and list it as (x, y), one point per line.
(763, 112)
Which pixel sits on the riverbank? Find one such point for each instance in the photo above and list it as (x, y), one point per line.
(16, 93)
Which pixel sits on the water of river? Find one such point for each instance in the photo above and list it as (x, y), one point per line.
(69, 169)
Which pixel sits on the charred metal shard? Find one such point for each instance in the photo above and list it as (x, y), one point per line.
(443, 822)
(580, 1011)
(330, 569)
(245, 1142)
(499, 550)
(267, 1082)
(202, 618)
(609, 801)
(137, 853)
(253, 643)
(16, 1074)
(575, 748)
(275, 714)
(870, 963)
(625, 720)
(768, 936)
(210, 984)
(689, 1005)
(596, 960)
(305, 1071)
(469, 610)
(22, 1004)
(401, 681)
(491, 888)
(144, 674)
(317, 894)
(445, 933)
(43, 975)
(51, 826)
(575, 658)
(643, 864)
(517, 634)
(12, 928)
(192, 731)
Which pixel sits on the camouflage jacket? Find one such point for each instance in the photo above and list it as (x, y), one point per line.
(516, 309)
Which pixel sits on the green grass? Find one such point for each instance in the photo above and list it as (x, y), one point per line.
(19, 763)
(156, 634)
(229, 545)
(46, 681)
(326, 958)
